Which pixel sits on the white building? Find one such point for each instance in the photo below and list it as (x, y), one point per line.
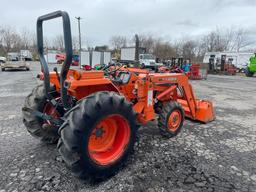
(239, 59)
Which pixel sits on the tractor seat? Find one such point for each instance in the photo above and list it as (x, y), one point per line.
(122, 78)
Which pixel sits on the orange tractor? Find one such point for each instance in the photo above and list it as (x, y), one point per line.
(94, 115)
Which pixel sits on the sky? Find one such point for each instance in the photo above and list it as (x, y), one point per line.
(102, 19)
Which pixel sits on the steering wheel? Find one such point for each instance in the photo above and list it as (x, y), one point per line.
(109, 72)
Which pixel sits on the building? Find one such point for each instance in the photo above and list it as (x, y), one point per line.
(239, 59)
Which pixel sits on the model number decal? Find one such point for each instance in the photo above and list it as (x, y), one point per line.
(168, 79)
(150, 98)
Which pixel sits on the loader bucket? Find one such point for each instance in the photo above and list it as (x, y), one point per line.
(204, 111)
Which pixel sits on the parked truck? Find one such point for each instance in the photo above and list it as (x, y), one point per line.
(137, 55)
(145, 59)
(26, 55)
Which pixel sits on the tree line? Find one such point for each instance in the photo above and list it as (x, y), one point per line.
(192, 47)
(12, 40)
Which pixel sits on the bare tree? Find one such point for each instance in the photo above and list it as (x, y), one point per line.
(164, 50)
(33, 45)
(59, 42)
(189, 49)
(10, 40)
(118, 41)
(148, 42)
(75, 43)
(214, 42)
(26, 38)
(232, 39)
(241, 40)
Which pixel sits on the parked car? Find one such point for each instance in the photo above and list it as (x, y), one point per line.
(17, 65)
(2, 60)
(13, 56)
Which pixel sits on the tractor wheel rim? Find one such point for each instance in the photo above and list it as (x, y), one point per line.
(174, 120)
(108, 139)
(50, 110)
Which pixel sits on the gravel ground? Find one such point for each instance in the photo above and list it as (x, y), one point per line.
(218, 156)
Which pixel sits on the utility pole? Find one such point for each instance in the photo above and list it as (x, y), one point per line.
(80, 44)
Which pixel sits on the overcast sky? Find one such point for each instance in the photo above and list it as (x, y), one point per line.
(169, 19)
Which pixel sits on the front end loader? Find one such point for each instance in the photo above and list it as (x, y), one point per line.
(251, 68)
(94, 115)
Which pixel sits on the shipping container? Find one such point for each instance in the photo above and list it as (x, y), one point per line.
(93, 58)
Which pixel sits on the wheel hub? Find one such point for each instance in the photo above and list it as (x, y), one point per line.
(174, 120)
(99, 132)
(108, 139)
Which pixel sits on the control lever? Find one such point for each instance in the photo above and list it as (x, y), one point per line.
(57, 74)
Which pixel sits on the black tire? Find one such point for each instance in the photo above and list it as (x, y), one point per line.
(3, 69)
(166, 111)
(76, 130)
(36, 101)
(248, 73)
(143, 66)
(27, 69)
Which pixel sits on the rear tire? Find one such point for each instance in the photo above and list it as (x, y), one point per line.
(248, 73)
(36, 127)
(3, 69)
(77, 131)
(171, 119)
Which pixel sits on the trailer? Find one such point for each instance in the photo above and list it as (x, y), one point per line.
(85, 58)
(128, 53)
(93, 58)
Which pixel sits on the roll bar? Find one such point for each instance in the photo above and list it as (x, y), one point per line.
(68, 51)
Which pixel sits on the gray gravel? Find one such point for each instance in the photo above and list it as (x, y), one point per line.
(219, 156)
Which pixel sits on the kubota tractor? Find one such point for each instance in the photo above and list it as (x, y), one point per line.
(95, 117)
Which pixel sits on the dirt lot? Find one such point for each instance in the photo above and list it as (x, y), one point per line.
(219, 156)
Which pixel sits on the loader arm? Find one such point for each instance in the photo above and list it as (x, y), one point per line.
(167, 84)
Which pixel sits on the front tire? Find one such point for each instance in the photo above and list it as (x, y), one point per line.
(171, 118)
(98, 135)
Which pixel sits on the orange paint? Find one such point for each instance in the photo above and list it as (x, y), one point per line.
(143, 89)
